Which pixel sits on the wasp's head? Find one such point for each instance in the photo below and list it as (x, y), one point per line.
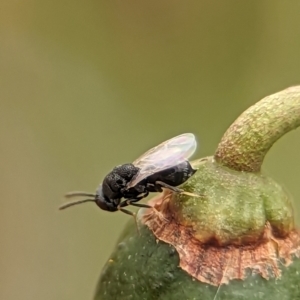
(99, 198)
(104, 202)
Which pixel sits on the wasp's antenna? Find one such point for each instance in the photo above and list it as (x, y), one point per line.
(78, 194)
(75, 203)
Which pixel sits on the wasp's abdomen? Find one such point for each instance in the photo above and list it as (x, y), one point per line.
(173, 176)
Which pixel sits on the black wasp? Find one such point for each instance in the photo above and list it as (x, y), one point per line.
(164, 166)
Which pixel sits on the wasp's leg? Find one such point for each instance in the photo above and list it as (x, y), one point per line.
(154, 187)
(159, 185)
(126, 203)
(175, 189)
(121, 208)
(128, 212)
(130, 202)
(133, 201)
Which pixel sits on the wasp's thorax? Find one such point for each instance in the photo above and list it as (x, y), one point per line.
(116, 181)
(111, 191)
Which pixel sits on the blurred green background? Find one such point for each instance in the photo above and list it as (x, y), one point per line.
(87, 85)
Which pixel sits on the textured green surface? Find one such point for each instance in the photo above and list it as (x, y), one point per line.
(246, 142)
(142, 268)
(234, 205)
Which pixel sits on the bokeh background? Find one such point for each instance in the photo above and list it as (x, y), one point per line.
(87, 85)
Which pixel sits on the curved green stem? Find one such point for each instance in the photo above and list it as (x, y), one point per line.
(246, 142)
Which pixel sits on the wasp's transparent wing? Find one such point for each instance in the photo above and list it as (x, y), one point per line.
(166, 155)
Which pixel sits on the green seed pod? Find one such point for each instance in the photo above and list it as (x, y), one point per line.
(235, 240)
